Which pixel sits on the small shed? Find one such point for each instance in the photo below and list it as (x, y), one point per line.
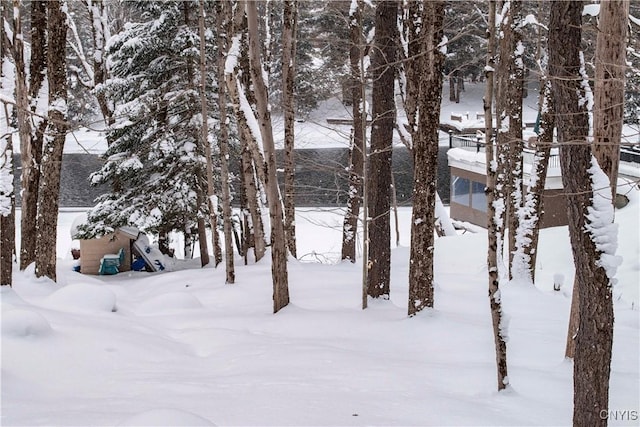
(93, 250)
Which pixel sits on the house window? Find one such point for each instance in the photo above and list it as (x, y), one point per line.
(478, 196)
(468, 193)
(460, 190)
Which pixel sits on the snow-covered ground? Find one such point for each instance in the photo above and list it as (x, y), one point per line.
(183, 348)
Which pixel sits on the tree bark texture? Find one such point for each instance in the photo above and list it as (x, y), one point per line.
(223, 23)
(7, 220)
(252, 163)
(495, 219)
(430, 61)
(204, 137)
(100, 32)
(290, 24)
(379, 173)
(356, 155)
(49, 191)
(534, 202)
(608, 106)
(592, 359)
(279, 273)
(509, 78)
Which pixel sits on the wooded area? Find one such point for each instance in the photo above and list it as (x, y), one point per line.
(183, 85)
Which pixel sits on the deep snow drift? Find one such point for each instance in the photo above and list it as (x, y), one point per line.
(183, 348)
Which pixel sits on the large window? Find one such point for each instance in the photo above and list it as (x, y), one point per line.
(460, 190)
(468, 193)
(478, 196)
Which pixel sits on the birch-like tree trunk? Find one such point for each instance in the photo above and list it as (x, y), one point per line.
(379, 173)
(495, 212)
(509, 78)
(430, 61)
(279, 273)
(49, 191)
(592, 361)
(290, 24)
(357, 150)
(223, 26)
(253, 176)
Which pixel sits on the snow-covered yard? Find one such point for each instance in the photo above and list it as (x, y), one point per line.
(183, 348)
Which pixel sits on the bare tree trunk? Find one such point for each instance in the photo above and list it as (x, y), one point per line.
(290, 23)
(574, 318)
(29, 155)
(495, 219)
(7, 171)
(100, 31)
(7, 213)
(592, 360)
(49, 191)
(31, 165)
(223, 25)
(509, 77)
(252, 161)
(278, 247)
(425, 157)
(379, 189)
(356, 157)
(611, 64)
(533, 210)
(255, 229)
(202, 228)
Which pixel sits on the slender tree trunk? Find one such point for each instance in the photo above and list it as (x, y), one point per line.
(202, 227)
(29, 160)
(204, 134)
(592, 360)
(278, 247)
(100, 31)
(237, 71)
(223, 24)
(49, 191)
(574, 319)
(610, 58)
(379, 189)
(509, 77)
(290, 23)
(425, 156)
(7, 213)
(495, 213)
(356, 155)
(533, 210)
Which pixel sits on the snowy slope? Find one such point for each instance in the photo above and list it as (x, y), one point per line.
(183, 348)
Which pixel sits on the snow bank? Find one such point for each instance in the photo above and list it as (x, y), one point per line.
(166, 417)
(169, 302)
(24, 323)
(83, 298)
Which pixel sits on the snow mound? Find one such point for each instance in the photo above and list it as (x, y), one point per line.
(24, 323)
(169, 302)
(166, 417)
(82, 297)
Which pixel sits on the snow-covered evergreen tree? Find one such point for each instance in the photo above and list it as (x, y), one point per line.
(155, 161)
